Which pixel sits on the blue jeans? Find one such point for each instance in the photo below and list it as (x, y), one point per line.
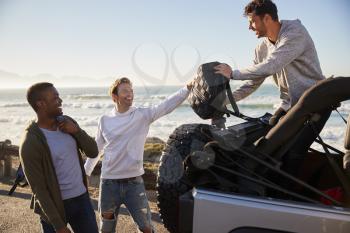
(79, 214)
(132, 194)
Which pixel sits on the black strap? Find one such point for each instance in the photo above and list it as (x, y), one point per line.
(339, 173)
(341, 116)
(19, 178)
(232, 100)
(235, 107)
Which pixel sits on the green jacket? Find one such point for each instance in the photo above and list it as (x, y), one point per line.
(40, 172)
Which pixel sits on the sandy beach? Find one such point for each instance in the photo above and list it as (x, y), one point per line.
(16, 217)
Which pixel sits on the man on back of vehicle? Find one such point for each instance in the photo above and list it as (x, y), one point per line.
(288, 54)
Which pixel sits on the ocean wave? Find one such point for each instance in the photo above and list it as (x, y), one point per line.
(98, 105)
(4, 120)
(75, 105)
(14, 105)
(143, 104)
(334, 135)
(257, 105)
(165, 124)
(79, 118)
(244, 105)
(94, 105)
(21, 120)
(89, 123)
(160, 97)
(147, 104)
(344, 107)
(17, 120)
(185, 104)
(88, 96)
(263, 102)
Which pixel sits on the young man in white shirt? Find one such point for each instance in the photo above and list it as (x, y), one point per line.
(121, 136)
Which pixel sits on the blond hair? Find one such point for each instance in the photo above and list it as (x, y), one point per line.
(114, 87)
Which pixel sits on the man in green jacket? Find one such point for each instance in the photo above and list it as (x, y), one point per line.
(51, 155)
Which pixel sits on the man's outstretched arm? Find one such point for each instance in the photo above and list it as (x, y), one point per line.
(169, 104)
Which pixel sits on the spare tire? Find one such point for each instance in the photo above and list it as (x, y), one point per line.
(172, 181)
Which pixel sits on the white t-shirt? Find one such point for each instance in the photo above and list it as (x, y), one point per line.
(121, 137)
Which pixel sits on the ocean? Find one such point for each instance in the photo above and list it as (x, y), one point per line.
(86, 105)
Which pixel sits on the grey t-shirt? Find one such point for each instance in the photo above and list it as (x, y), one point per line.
(65, 159)
(292, 61)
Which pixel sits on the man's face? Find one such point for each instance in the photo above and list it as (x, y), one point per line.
(257, 24)
(125, 95)
(51, 103)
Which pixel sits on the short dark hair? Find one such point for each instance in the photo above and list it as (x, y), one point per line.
(34, 93)
(114, 87)
(262, 7)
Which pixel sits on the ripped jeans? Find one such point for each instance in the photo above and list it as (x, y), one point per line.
(130, 192)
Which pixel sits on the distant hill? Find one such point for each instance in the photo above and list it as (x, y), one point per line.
(9, 79)
(13, 80)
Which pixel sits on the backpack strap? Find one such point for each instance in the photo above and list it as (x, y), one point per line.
(231, 99)
(339, 172)
(235, 111)
(19, 178)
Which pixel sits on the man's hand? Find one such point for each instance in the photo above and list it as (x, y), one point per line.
(63, 230)
(224, 70)
(68, 126)
(190, 85)
(280, 112)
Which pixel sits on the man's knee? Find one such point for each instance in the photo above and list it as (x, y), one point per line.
(108, 222)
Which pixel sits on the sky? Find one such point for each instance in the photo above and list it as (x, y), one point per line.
(153, 42)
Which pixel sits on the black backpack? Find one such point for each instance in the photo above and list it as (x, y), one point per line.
(208, 95)
(20, 180)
